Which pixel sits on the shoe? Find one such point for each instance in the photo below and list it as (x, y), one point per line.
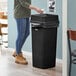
(20, 60)
(14, 55)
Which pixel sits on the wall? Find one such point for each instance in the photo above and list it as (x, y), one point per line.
(72, 24)
(12, 25)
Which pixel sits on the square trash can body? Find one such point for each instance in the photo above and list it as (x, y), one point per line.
(44, 40)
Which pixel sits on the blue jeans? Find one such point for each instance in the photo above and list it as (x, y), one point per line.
(23, 32)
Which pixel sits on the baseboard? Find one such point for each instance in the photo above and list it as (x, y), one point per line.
(59, 60)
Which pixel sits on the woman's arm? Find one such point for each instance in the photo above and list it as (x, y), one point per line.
(27, 5)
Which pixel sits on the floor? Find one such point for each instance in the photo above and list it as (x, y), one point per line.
(9, 68)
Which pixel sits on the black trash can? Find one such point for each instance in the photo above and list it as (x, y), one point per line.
(44, 40)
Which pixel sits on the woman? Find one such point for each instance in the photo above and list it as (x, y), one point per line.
(22, 12)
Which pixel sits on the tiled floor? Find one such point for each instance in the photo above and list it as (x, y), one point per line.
(9, 68)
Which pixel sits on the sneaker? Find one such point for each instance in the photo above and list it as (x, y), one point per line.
(20, 60)
(21, 54)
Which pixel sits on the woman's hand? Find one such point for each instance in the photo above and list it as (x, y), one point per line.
(39, 10)
(36, 9)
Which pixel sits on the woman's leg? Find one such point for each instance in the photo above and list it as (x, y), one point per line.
(27, 31)
(23, 32)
